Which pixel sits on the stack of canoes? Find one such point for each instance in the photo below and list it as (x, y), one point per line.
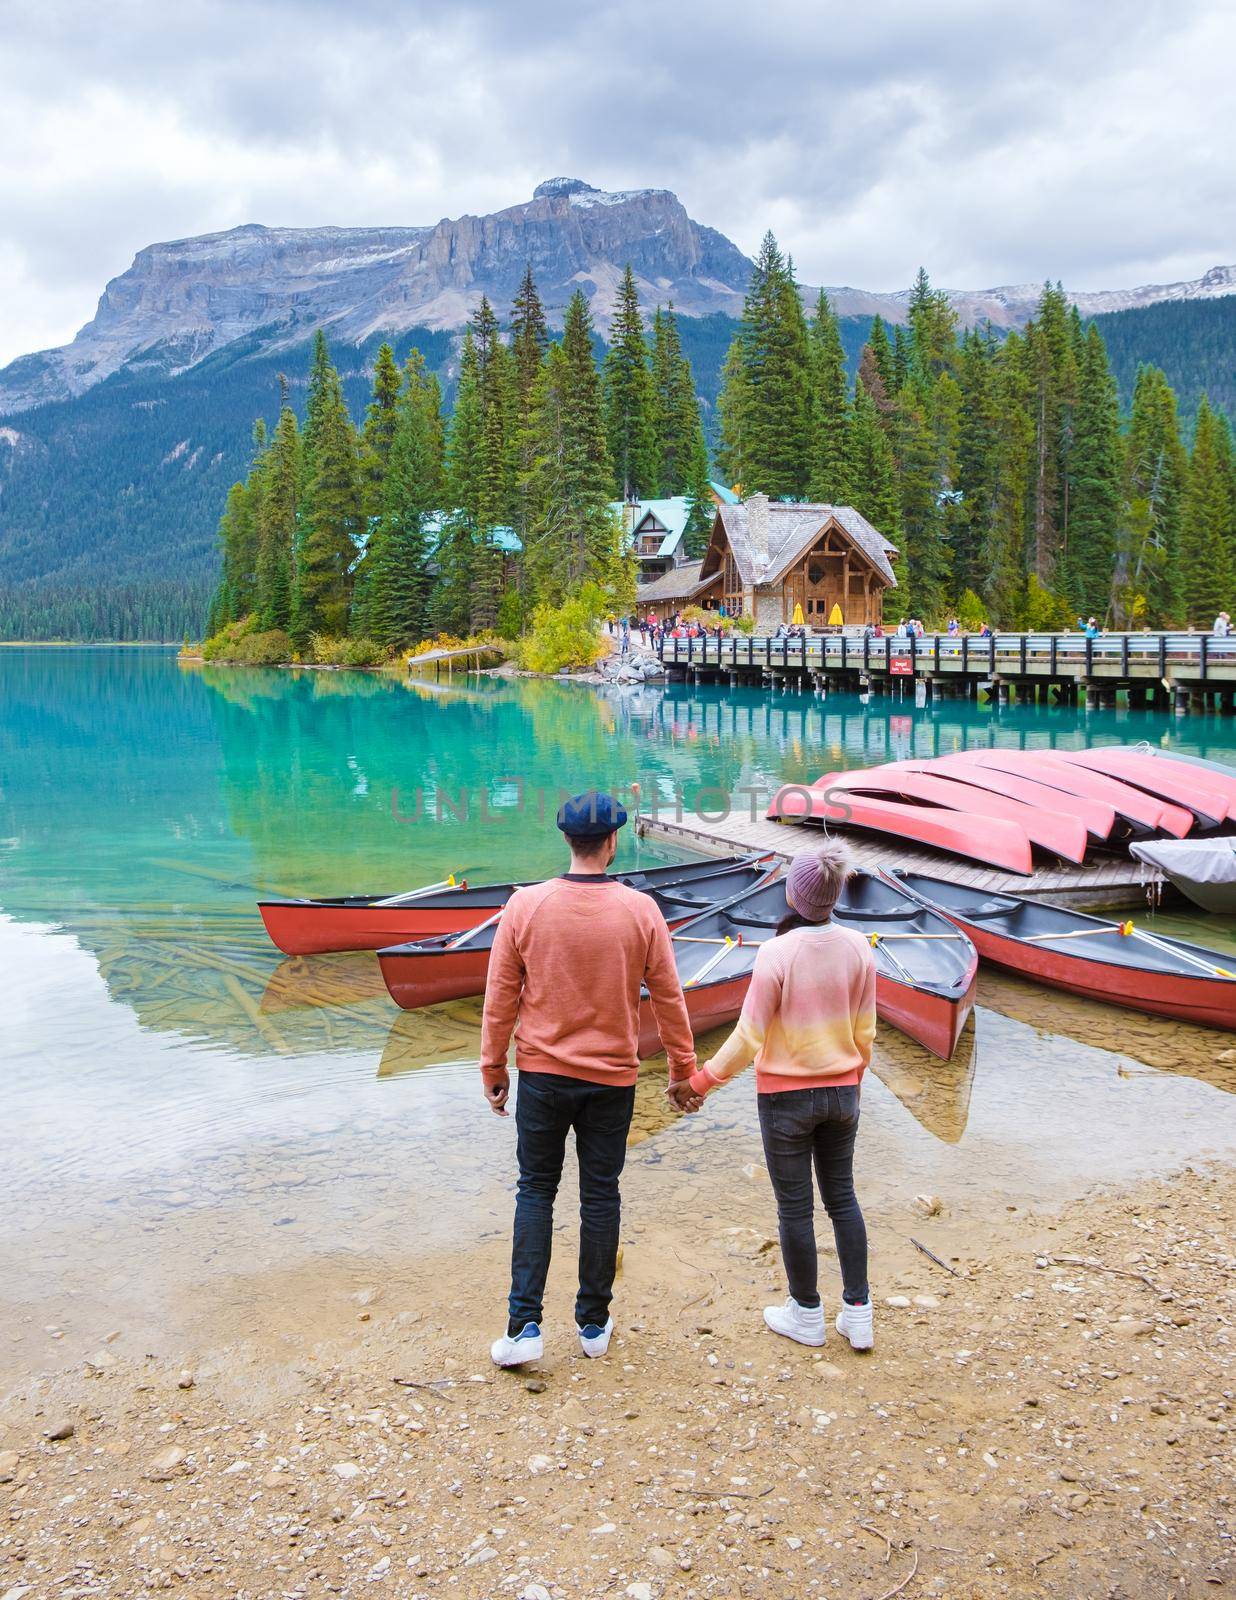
(1005, 807)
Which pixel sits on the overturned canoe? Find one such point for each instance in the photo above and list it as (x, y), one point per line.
(1116, 962)
(998, 843)
(1142, 812)
(1206, 795)
(368, 922)
(1051, 830)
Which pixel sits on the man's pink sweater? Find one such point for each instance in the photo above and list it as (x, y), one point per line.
(809, 1017)
(568, 961)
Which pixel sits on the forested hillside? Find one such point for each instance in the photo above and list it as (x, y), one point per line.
(109, 502)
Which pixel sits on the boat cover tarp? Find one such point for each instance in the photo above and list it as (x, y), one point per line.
(1203, 869)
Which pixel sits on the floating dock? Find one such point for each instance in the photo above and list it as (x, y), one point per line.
(1118, 882)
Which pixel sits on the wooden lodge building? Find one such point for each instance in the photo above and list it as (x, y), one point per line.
(767, 556)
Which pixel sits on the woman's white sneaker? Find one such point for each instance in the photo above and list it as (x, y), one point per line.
(855, 1324)
(804, 1324)
(513, 1351)
(594, 1341)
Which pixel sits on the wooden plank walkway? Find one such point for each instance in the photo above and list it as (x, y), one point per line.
(1115, 882)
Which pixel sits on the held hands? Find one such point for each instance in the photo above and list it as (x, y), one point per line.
(683, 1097)
(497, 1093)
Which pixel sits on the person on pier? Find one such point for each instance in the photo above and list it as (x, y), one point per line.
(569, 958)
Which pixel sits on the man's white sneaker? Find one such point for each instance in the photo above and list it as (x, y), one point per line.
(513, 1351)
(594, 1341)
(854, 1323)
(805, 1324)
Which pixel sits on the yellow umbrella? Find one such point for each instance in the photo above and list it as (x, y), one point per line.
(798, 614)
(835, 619)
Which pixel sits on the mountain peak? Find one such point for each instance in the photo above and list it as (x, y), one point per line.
(560, 188)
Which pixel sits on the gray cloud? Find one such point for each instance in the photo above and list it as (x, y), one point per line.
(993, 143)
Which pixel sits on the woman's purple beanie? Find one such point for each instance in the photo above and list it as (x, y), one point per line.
(816, 878)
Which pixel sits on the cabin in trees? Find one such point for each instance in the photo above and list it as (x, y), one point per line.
(766, 557)
(657, 529)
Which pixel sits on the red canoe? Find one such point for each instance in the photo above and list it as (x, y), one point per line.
(1097, 816)
(1119, 963)
(1208, 796)
(1063, 836)
(999, 843)
(313, 927)
(925, 980)
(924, 985)
(1045, 767)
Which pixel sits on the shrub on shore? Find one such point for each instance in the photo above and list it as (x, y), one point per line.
(565, 635)
(332, 650)
(243, 643)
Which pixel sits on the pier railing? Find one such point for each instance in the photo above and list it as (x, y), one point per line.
(1186, 657)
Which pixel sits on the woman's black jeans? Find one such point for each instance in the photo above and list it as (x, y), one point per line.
(547, 1108)
(802, 1128)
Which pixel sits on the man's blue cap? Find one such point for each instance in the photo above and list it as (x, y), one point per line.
(591, 816)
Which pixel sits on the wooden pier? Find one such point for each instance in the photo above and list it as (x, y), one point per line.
(1115, 882)
(1181, 671)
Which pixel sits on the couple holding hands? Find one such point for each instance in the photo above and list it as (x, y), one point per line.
(569, 960)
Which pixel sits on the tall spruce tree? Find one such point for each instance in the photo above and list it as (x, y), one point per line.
(1052, 365)
(283, 473)
(1207, 532)
(829, 478)
(456, 548)
(630, 402)
(766, 396)
(1156, 469)
(975, 458)
(572, 537)
(394, 589)
(332, 519)
(379, 431)
(882, 354)
(1094, 484)
(529, 336)
(676, 408)
(494, 489)
(873, 474)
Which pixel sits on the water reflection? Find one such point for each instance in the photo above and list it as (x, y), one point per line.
(935, 1093)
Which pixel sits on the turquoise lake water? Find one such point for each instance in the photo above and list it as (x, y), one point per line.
(179, 1099)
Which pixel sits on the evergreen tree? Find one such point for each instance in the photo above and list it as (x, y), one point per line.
(976, 445)
(630, 403)
(1156, 467)
(379, 430)
(394, 590)
(464, 457)
(701, 510)
(1052, 366)
(332, 520)
(733, 410)
(494, 488)
(1094, 484)
(933, 330)
(830, 411)
(873, 475)
(676, 409)
(766, 401)
(320, 382)
(573, 537)
(882, 354)
(282, 476)
(1005, 549)
(1207, 532)
(529, 337)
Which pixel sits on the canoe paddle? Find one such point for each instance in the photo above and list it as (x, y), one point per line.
(430, 888)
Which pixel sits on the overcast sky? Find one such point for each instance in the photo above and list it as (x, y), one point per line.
(994, 143)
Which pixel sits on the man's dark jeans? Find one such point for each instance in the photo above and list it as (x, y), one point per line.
(547, 1107)
(802, 1127)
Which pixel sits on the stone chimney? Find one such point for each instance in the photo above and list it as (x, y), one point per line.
(756, 507)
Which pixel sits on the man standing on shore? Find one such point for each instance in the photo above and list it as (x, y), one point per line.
(569, 958)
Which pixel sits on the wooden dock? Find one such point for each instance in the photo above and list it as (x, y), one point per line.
(1117, 882)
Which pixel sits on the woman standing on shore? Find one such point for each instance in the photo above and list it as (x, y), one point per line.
(809, 1023)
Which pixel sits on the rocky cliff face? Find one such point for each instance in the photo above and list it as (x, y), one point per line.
(180, 302)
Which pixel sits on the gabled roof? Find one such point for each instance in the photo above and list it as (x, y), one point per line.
(671, 513)
(679, 583)
(792, 530)
(724, 494)
(505, 538)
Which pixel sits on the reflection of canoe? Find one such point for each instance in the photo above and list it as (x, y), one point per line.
(924, 985)
(935, 1093)
(440, 1036)
(997, 842)
(1202, 869)
(368, 922)
(1089, 955)
(344, 978)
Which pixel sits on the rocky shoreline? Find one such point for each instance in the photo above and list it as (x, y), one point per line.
(1048, 1412)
